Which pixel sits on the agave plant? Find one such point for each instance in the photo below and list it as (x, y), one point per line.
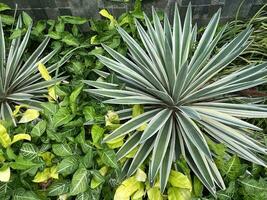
(185, 97)
(20, 81)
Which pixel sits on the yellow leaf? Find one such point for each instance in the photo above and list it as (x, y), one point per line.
(127, 189)
(5, 174)
(132, 153)
(179, 180)
(154, 194)
(140, 175)
(17, 109)
(29, 115)
(52, 92)
(21, 136)
(106, 14)
(4, 137)
(44, 72)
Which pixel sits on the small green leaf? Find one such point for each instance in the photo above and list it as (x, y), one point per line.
(89, 113)
(79, 182)
(70, 40)
(108, 157)
(96, 180)
(39, 129)
(73, 98)
(73, 19)
(27, 20)
(4, 7)
(68, 165)
(62, 149)
(97, 133)
(62, 116)
(29, 151)
(58, 188)
(22, 164)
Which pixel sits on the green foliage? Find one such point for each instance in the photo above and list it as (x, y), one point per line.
(186, 99)
(62, 157)
(20, 80)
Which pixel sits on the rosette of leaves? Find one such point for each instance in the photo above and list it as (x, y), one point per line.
(20, 80)
(185, 98)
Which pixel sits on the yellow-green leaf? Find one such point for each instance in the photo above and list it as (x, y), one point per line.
(52, 93)
(5, 174)
(139, 193)
(46, 174)
(103, 171)
(44, 72)
(178, 194)
(47, 157)
(138, 110)
(179, 180)
(112, 120)
(4, 137)
(106, 14)
(29, 115)
(154, 194)
(127, 189)
(116, 143)
(140, 175)
(21, 136)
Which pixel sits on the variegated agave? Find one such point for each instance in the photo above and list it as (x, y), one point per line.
(186, 98)
(20, 81)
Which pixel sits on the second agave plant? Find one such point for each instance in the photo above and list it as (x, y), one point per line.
(186, 98)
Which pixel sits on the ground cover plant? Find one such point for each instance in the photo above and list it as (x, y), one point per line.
(55, 150)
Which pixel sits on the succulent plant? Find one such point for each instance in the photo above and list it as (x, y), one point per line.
(20, 80)
(186, 98)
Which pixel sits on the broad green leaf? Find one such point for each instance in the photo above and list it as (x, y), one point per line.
(7, 19)
(5, 173)
(127, 189)
(108, 157)
(29, 115)
(5, 140)
(178, 194)
(70, 40)
(154, 194)
(21, 136)
(39, 129)
(68, 165)
(232, 168)
(179, 180)
(44, 72)
(62, 149)
(79, 182)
